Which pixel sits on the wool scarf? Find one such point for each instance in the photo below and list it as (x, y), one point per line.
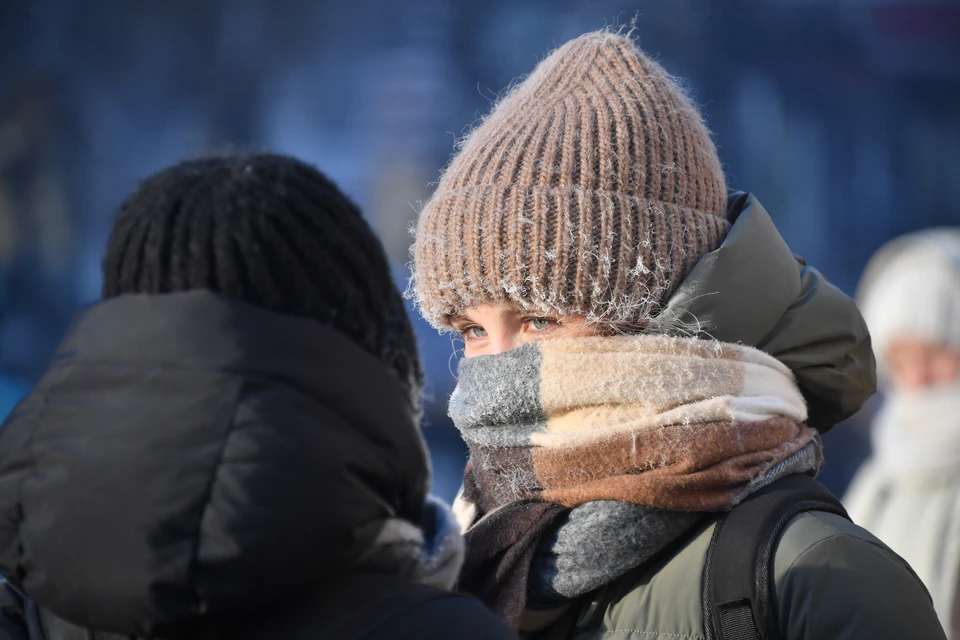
(590, 455)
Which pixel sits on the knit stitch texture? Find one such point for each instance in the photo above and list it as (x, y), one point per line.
(593, 188)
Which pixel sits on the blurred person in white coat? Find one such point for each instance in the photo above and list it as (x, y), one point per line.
(908, 491)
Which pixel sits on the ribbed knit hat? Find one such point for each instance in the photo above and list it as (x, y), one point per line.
(593, 187)
(271, 231)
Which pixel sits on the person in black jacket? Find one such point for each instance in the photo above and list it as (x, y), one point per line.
(227, 445)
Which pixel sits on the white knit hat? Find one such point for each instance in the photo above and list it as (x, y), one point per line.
(911, 289)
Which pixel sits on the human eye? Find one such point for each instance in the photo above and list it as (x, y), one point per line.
(542, 323)
(473, 332)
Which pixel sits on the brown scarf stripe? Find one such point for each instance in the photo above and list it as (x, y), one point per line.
(685, 485)
(641, 465)
(634, 462)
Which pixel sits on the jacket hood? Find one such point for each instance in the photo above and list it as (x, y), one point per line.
(754, 291)
(187, 457)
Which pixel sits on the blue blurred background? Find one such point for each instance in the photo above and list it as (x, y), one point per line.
(841, 116)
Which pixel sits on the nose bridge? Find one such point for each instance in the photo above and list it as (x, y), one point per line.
(504, 336)
(503, 329)
(504, 340)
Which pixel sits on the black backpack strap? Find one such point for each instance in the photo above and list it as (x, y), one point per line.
(738, 589)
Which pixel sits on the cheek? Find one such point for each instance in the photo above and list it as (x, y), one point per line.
(496, 341)
(945, 368)
(470, 350)
(909, 374)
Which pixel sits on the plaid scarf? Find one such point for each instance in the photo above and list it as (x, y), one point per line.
(590, 455)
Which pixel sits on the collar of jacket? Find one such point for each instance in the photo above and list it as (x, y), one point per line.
(753, 290)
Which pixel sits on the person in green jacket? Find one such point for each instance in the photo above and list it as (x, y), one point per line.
(643, 352)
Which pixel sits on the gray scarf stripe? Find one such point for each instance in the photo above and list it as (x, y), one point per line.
(497, 399)
(599, 542)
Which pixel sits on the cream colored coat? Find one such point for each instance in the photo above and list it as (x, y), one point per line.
(919, 518)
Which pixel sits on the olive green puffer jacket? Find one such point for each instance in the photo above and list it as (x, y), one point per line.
(754, 291)
(834, 581)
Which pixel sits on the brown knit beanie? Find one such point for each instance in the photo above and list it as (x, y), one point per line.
(593, 187)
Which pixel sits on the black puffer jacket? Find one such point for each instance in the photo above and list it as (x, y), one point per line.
(191, 466)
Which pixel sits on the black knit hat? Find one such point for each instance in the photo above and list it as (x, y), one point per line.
(273, 232)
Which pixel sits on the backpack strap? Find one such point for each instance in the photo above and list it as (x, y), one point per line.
(739, 602)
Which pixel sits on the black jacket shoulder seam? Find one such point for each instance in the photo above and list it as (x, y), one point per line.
(213, 478)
